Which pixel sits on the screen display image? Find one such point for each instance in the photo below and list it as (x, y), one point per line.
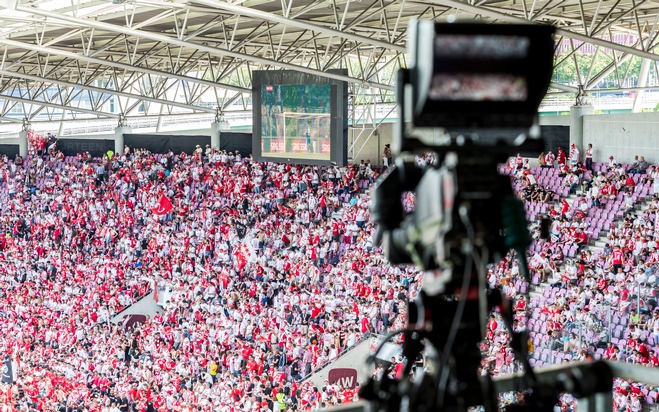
(478, 87)
(478, 76)
(296, 121)
(448, 46)
(300, 118)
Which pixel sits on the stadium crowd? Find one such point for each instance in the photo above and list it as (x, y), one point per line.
(594, 302)
(266, 272)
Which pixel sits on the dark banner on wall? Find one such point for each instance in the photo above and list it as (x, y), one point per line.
(556, 136)
(158, 143)
(11, 150)
(95, 147)
(232, 141)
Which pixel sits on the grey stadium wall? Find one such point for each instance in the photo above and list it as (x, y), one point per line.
(622, 135)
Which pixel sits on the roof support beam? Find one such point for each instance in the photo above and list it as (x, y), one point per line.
(275, 18)
(11, 120)
(565, 88)
(123, 66)
(642, 83)
(201, 47)
(483, 11)
(30, 77)
(607, 44)
(57, 106)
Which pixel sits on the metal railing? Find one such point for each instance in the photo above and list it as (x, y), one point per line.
(603, 101)
(237, 118)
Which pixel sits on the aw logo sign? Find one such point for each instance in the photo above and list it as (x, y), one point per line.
(345, 377)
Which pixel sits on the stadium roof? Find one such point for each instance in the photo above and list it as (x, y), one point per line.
(67, 58)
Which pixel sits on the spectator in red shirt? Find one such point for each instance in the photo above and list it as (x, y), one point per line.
(561, 157)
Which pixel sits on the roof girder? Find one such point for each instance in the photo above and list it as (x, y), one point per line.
(119, 65)
(201, 47)
(275, 18)
(112, 92)
(291, 34)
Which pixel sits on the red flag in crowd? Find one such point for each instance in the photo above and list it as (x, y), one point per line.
(164, 206)
(240, 259)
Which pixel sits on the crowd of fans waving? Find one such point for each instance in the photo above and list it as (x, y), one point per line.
(595, 303)
(266, 272)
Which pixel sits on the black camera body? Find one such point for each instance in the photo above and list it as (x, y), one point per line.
(462, 76)
(472, 77)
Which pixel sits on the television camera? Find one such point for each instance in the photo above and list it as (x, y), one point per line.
(465, 78)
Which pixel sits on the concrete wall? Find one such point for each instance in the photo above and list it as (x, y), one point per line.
(369, 143)
(623, 136)
(372, 147)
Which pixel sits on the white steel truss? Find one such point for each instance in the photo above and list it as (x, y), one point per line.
(91, 58)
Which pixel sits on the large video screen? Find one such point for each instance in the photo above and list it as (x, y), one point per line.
(296, 121)
(299, 118)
